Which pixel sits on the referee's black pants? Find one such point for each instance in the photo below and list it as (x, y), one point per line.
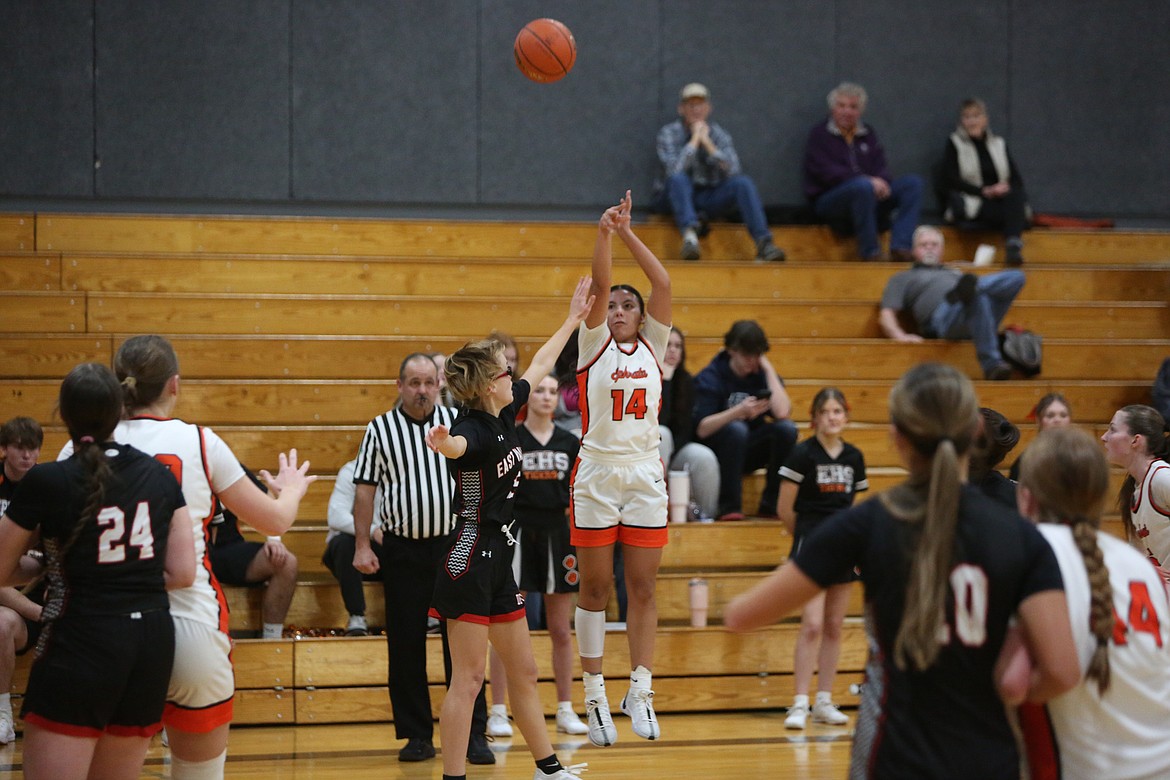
(409, 568)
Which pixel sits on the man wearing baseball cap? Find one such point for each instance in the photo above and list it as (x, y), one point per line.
(701, 172)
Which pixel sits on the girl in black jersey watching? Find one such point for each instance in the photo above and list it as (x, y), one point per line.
(822, 476)
(476, 592)
(117, 536)
(945, 569)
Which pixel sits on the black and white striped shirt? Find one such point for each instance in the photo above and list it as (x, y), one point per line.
(416, 486)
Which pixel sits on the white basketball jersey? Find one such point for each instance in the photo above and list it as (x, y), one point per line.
(1124, 734)
(204, 466)
(1151, 512)
(620, 390)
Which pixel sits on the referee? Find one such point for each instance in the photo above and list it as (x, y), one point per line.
(416, 518)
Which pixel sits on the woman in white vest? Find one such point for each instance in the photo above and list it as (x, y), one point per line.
(981, 182)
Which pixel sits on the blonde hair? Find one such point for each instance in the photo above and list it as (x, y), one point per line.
(934, 408)
(1066, 473)
(471, 370)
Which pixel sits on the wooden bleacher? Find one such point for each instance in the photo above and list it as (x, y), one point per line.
(290, 330)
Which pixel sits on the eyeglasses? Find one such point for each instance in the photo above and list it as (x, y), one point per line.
(507, 372)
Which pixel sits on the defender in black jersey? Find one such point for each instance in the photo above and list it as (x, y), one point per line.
(475, 592)
(945, 569)
(116, 535)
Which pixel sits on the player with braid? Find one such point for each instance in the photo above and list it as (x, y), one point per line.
(1116, 723)
(944, 570)
(117, 536)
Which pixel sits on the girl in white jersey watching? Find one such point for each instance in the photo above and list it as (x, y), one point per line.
(1136, 441)
(1115, 725)
(199, 701)
(619, 485)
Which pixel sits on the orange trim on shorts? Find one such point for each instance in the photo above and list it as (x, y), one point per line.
(593, 537)
(68, 729)
(642, 537)
(198, 720)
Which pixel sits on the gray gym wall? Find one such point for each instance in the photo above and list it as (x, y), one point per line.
(415, 106)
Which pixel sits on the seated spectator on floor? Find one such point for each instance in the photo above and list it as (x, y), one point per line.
(236, 561)
(945, 303)
(20, 614)
(981, 184)
(849, 184)
(742, 413)
(677, 428)
(340, 547)
(701, 173)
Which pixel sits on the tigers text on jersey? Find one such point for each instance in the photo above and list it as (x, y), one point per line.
(204, 466)
(621, 390)
(827, 484)
(543, 493)
(1125, 733)
(1150, 510)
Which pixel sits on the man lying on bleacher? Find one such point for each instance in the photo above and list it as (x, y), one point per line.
(945, 303)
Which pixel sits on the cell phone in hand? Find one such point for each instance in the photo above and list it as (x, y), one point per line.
(764, 394)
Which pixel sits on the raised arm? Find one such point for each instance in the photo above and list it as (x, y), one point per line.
(602, 269)
(546, 357)
(659, 305)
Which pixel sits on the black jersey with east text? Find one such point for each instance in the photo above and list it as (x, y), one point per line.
(827, 484)
(488, 471)
(543, 493)
(116, 565)
(947, 721)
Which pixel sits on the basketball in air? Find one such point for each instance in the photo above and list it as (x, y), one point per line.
(545, 50)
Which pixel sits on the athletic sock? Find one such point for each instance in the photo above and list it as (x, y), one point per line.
(211, 769)
(564, 706)
(824, 697)
(549, 765)
(594, 685)
(641, 678)
(800, 700)
(273, 630)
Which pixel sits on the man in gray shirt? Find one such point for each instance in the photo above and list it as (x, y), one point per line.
(945, 303)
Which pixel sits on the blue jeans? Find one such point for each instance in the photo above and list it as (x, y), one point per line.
(740, 450)
(682, 198)
(980, 320)
(853, 203)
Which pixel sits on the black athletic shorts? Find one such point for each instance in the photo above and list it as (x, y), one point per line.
(230, 562)
(475, 582)
(103, 674)
(548, 560)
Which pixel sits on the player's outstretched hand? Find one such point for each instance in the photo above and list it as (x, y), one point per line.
(437, 437)
(582, 301)
(290, 476)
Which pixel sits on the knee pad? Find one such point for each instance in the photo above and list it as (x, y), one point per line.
(590, 633)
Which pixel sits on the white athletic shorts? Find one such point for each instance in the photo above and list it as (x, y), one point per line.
(202, 680)
(619, 501)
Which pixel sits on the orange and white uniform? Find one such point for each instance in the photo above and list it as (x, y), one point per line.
(619, 482)
(1150, 509)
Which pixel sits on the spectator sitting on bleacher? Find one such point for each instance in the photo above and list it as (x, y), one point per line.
(945, 303)
(981, 183)
(339, 549)
(20, 616)
(742, 413)
(677, 428)
(849, 184)
(236, 561)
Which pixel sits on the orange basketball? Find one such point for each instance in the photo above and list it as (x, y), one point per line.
(545, 50)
